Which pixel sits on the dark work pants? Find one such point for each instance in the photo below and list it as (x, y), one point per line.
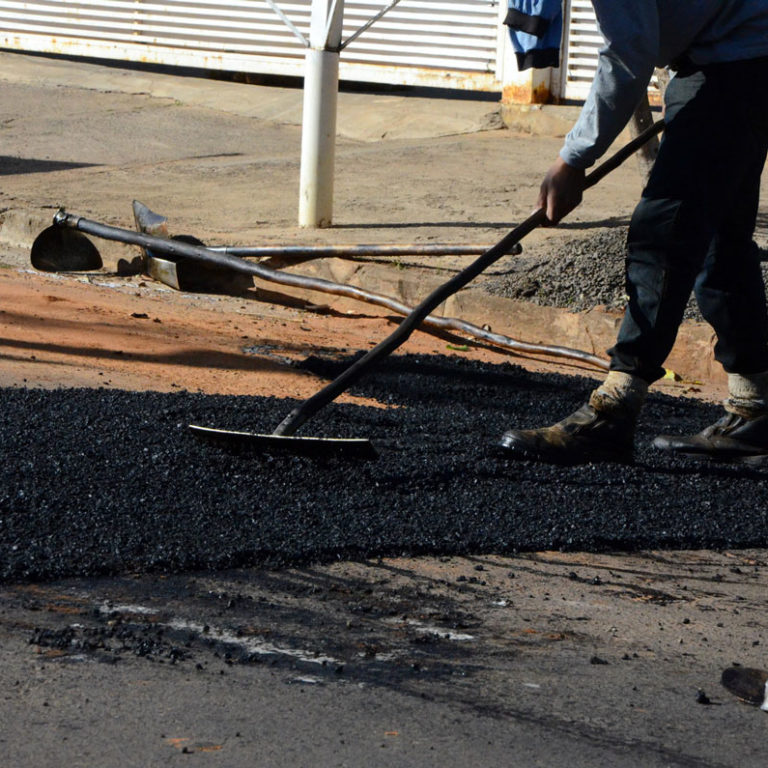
(692, 229)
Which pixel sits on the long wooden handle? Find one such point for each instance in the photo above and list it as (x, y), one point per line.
(400, 335)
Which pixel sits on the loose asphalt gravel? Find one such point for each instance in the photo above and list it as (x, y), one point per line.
(578, 273)
(103, 482)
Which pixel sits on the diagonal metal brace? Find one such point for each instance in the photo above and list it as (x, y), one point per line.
(368, 24)
(288, 23)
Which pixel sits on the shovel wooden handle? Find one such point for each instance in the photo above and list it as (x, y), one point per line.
(400, 335)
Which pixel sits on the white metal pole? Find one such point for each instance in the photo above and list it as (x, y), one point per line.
(318, 133)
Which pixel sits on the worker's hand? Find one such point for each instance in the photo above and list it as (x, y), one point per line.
(561, 190)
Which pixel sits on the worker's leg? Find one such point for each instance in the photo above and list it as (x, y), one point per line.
(701, 169)
(703, 183)
(731, 295)
(730, 289)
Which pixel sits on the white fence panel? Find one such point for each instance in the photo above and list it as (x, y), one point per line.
(430, 42)
(581, 43)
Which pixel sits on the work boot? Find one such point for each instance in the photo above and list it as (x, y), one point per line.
(601, 430)
(730, 438)
(740, 435)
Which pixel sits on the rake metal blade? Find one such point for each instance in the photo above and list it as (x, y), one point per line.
(315, 447)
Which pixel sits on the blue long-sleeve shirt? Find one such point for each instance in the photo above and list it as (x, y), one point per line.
(643, 34)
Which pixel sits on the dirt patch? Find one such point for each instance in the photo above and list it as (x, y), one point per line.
(132, 333)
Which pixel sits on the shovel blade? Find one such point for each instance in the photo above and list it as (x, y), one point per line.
(57, 249)
(313, 447)
(747, 683)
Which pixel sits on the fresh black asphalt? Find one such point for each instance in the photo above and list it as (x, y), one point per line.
(103, 482)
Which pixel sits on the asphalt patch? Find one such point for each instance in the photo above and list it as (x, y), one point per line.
(98, 482)
(370, 635)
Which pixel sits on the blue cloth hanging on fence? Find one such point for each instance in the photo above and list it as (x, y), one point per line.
(536, 29)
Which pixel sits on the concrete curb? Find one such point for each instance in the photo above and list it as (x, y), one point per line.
(592, 331)
(539, 119)
(19, 228)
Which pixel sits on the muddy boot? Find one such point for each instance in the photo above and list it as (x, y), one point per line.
(740, 435)
(602, 430)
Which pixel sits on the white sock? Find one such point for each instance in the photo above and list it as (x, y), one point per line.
(622, 392)
(747, 393)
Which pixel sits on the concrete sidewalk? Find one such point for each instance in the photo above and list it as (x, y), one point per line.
(71, 125)
(363, 116)
(60, 108)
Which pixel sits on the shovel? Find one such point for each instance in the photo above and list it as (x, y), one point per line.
(63, 249)
(196, 276)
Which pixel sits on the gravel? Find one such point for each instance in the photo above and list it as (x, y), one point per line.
(104, 482)
(577, 274)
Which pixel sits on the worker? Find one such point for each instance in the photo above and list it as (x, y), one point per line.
(692, 230)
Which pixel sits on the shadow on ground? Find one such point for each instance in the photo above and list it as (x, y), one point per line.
(10, 166)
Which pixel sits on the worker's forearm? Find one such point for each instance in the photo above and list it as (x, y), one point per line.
(631, 32)
(612, 99)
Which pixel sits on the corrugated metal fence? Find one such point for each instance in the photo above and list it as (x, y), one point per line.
(581, 43)
(430, 42)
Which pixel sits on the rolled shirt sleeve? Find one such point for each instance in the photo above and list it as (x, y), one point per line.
(624, 69)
